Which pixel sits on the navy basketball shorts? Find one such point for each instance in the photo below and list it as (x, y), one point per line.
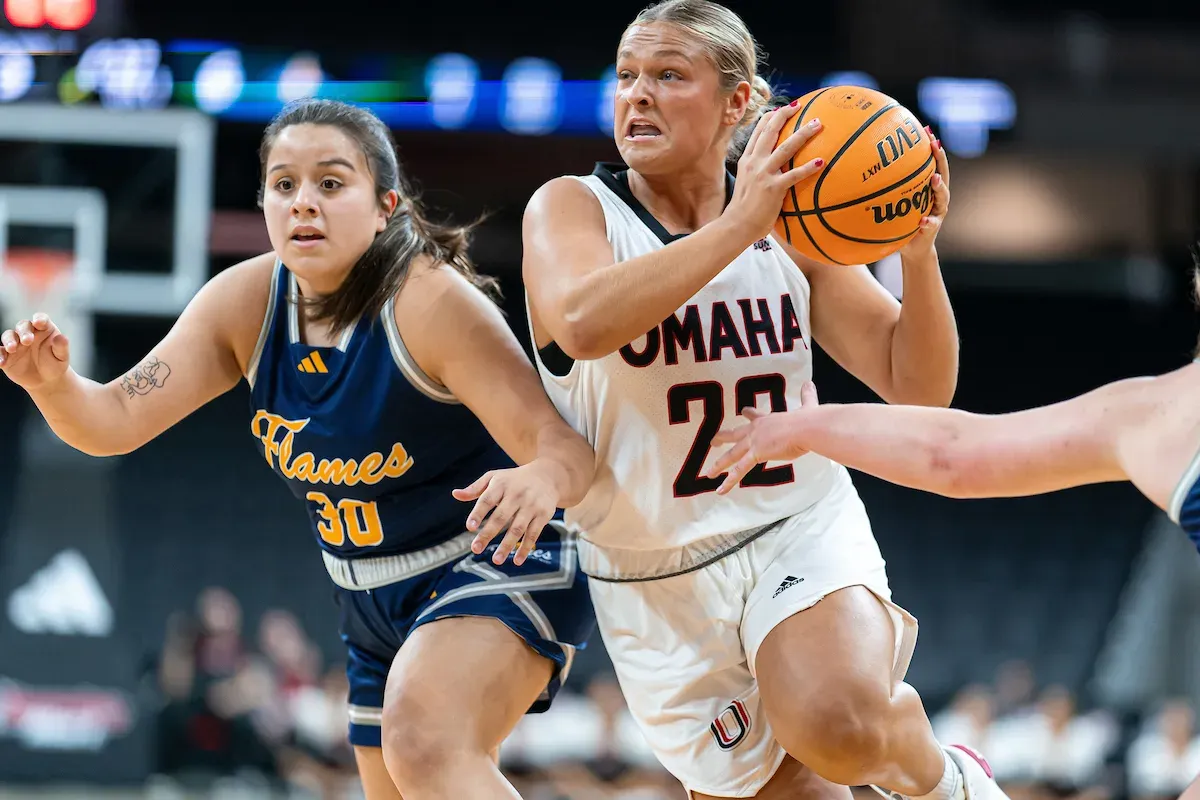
(545, 601)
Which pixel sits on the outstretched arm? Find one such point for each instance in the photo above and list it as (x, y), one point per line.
(202, 357)
(951, 452)
(460, 339)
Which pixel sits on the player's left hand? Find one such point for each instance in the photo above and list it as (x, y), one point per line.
(766, 437)
(521, 500)
(922, 244)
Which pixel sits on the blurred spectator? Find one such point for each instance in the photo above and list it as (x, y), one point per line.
(211, 690)
(967, 720)
(320, 757)
(587, 747)
(219, 647)
(1165, 758)
(1052, 750)
(1015, 686)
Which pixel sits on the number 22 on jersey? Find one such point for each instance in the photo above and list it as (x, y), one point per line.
(711, 396)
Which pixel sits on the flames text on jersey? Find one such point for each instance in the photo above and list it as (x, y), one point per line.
(278, 436)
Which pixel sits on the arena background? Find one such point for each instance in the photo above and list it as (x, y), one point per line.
(166, 628)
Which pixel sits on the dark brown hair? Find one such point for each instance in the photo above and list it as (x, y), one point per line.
(382, 269)
(1196, 285)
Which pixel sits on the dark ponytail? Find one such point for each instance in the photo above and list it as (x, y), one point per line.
(383, 268)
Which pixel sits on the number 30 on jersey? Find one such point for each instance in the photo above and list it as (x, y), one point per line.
(354, 519)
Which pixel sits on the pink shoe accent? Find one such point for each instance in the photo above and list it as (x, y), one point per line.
(978, 758)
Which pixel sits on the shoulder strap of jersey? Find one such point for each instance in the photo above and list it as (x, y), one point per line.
(274, 298)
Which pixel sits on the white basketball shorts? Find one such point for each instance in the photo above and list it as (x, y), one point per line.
(684, 646)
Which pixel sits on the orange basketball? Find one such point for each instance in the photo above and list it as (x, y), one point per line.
(868, 199)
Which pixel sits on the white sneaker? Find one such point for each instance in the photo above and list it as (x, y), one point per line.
(978, 782)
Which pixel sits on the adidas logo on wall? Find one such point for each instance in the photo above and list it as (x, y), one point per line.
(62, 598)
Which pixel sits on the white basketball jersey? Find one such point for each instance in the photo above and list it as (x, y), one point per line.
(651, 409)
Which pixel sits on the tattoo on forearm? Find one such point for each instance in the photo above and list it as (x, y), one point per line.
(146, 377)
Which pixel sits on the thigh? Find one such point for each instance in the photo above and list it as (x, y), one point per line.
(544, 601)
(377, 784)
(472, 676)
(677, 652)
(539, 611)
(824, 638)
(794, 781)
(828, 548)
(835, 660)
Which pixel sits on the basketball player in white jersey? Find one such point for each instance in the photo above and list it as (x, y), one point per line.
(759, 625)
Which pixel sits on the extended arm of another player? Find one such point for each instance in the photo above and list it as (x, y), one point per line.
(465, 344)
(592, 306)
(958, 454)
(193, 364)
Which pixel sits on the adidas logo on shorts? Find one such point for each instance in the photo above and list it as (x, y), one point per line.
(788, 583)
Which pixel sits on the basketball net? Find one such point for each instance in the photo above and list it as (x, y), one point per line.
(34, 279)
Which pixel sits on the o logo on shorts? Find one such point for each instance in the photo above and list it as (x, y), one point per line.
(731, 725)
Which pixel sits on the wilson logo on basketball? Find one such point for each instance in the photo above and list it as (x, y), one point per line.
(919, 201)
(894, 145)
(731, 725)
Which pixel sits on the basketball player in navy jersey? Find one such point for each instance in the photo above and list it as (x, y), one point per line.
(388, 392)
(1143, 430)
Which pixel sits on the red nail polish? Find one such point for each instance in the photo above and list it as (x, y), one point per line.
(794, 103)
(820, 162)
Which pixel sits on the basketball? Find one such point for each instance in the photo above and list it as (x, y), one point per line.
(868, 200)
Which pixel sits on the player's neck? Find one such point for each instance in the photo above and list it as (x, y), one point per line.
(315, 333)
(682, 201)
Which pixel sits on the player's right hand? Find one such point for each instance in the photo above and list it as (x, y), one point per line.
(763, 178)
(34, 352)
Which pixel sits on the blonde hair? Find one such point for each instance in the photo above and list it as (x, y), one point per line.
(727, 42)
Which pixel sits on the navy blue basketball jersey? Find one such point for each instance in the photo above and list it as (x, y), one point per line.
(367, 440)
(1185, 504)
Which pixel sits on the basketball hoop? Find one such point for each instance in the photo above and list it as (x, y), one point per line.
(34, 279)
(37, 270)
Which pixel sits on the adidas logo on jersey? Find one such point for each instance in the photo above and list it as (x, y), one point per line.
(788, 583)
(62, 598)
(313, 363)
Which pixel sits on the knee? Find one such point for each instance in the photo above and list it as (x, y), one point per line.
(842, 733)
(418, 743)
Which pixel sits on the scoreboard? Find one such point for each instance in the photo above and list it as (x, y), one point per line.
(94, 17)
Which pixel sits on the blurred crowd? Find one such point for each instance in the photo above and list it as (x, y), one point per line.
(268, 715)
(1045, 745)
(265, 712)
